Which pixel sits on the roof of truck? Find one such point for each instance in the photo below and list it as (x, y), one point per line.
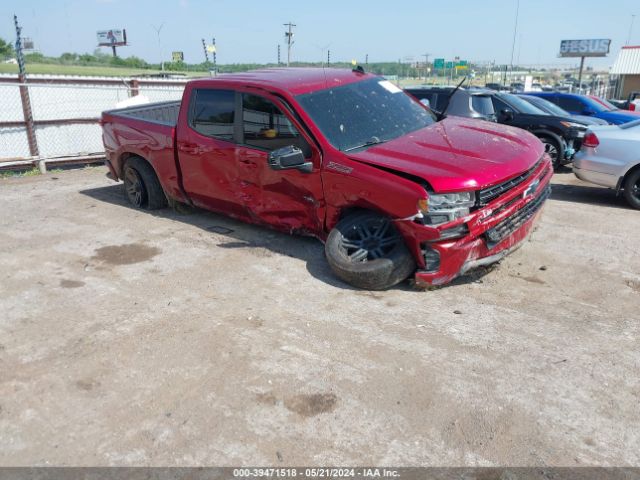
(296, 80)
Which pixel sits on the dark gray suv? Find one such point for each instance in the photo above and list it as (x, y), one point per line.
(470, 103)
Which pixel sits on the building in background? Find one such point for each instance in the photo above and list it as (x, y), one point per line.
(627, 66)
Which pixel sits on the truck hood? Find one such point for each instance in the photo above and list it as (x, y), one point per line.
(458, 154)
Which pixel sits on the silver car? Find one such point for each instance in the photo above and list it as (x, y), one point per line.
(610, 156)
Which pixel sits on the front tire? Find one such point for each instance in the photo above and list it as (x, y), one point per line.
(366, 251)
(141, 185)
(554, 149)
(632, 189)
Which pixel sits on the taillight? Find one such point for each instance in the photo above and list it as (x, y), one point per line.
(590, 140)
(632, 106)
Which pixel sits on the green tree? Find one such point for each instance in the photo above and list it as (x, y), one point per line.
(6, 49)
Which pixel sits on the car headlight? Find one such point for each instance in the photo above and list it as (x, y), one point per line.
(573, 125)
(445, 207)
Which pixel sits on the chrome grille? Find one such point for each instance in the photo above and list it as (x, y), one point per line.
(491, 193)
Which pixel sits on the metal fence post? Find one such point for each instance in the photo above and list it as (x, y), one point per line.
(134, 89)
(26, 101)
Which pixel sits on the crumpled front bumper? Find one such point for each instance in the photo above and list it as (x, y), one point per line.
(493, 232)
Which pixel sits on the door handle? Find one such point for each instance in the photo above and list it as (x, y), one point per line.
(190, 148)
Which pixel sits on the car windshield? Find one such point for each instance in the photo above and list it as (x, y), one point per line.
(520, 105)
(364, 113)
(547, 106)
(600, 104)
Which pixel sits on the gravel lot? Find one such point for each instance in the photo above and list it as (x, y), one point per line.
(135, 338)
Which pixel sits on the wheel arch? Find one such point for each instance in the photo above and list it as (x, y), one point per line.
(630, 171)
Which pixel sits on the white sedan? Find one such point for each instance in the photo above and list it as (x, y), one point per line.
(610, 156)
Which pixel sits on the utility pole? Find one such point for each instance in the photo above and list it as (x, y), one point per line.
(24, 97)
(633, 17)
(289, 36)
(426, 64)
(279, 62)
(515, 32)
(157, 29)
(206, 54)
(366, 59)
(215, 51)
(328, 58)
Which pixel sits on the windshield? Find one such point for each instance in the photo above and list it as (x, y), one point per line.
(520, 105)
(600, 104)
(547, 106)
(363, 113)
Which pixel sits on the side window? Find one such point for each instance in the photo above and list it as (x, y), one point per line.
(499, 105)
(213, 113)
(266, 127)
(570, 104)
(441, 101)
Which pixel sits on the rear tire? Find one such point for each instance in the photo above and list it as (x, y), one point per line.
(366, 251)
(141, 185)
(632, 189)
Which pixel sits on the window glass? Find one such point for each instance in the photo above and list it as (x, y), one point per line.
(499, 105)
(441, 101)
(364, 113)
(570, 104)
(482, 104)
(265, 126)
(213, 113)
(519, 105)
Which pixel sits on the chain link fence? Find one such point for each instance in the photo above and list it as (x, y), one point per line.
(65, 115)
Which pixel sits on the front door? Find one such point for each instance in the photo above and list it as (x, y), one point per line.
(290, 200)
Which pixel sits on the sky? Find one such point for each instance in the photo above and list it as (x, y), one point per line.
(249, 31)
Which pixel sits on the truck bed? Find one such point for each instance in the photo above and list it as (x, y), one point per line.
(164, 113)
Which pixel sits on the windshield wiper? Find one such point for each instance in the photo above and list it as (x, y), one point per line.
(371, 141)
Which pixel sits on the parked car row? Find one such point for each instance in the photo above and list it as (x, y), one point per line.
(560, 134)
(606, 138)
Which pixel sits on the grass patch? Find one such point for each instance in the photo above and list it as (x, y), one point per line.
(16, 173)
(52, 69)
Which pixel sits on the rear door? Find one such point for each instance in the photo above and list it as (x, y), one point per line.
(207, 151)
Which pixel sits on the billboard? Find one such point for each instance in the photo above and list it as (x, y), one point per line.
(585, 48)
(177, 56)
(27, 44)
(112, 38)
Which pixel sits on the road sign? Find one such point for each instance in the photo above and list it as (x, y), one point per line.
(177, 56)
(462, 63)
(438, 63)
(448, 65)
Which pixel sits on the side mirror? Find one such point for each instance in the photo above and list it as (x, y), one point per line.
(425, 102)
(287, 158)
(507, 114)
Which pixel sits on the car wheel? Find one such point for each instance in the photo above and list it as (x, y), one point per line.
(555, 151)
(366, 251)
(632, 189)
(141, 185)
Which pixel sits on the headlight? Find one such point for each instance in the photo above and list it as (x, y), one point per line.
(445, 207)
(573, 125)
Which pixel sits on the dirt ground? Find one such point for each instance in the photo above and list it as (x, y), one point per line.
(135, 338)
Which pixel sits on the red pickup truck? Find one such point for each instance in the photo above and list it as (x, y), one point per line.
(341, 155)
